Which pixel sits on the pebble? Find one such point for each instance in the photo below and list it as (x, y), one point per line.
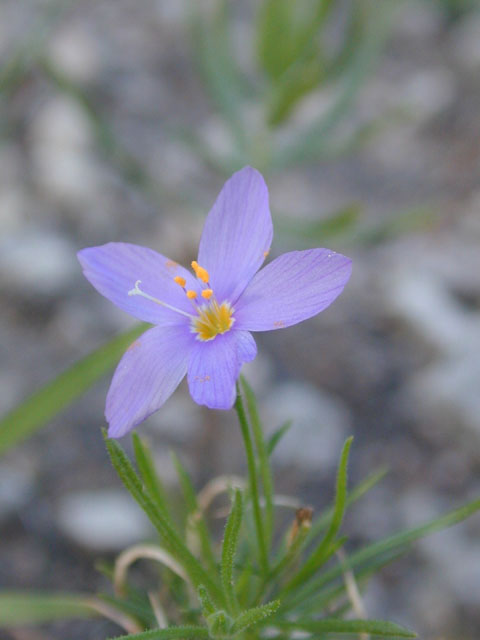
(103, 520)
(74, 51)
(61, 142)
(321, 422)
(34, 265)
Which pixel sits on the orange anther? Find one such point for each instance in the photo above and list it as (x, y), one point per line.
(207, 293)
(181, 281)
(191, 294)
(200, 272)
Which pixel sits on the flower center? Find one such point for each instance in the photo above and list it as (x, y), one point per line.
(212, 319)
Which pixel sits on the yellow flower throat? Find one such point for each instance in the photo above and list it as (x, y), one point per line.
(211, 319)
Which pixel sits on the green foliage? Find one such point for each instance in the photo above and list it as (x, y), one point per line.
(41, 407)
(229, 548)
(263, 456)
(237, 594)
(295, 57)
(327, 547)
(252, 617)
(333, 625)
(168, 535)
(186, 632)
(23, 607)
(150, 478)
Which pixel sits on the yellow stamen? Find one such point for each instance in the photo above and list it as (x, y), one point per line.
(200, 272)
(181, 281)
(265, 253)
(191, 295)
(207, 293)
(212, 320)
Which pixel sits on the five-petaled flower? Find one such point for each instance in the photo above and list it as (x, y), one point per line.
(204, 319)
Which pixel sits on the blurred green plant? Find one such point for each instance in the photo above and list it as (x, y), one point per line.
(43, 405)
(301, 48)
(245, 586)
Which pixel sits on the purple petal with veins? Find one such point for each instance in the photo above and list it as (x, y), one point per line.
(215, 366)
(237, 234)
(292, 288)
(147, 375)
(114, 268)
(204, 321)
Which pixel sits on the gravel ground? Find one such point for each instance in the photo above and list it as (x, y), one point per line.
(394, 361)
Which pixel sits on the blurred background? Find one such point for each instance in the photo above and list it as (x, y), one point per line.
(120, 120)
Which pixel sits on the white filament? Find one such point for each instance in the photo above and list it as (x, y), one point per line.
(136, 291)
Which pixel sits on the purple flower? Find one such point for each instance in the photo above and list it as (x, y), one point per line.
(204, 319)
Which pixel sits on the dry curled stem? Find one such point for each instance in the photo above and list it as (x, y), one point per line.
(143, 551)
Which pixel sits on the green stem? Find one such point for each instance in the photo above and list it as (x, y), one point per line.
(252, 478)
(263, 458)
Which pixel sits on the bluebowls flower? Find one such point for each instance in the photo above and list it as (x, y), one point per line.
(204, 318)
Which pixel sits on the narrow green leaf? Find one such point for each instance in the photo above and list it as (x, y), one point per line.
(398, 542)
(252, 481)
(146, 467)
(188, 490)
(229, 548)
(252, 617)
(358, 492)
(171, 633)
(334, 625)
(212, 41)
(195, 519)
(207, 605)
(299, 80)
(37, 410)
(411, 220)
(296, 26)
(135, 605)
(312, 230)
(277, 435)
(263, 457)
(274, 25)
(327, 597)
(324, 549)
(23, 58)
(20, 608)
(168, 535)
(311, 143)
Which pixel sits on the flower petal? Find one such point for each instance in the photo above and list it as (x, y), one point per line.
(292, 288)
(114, 268)
(215, 366)
(237, 234)
(148, 373)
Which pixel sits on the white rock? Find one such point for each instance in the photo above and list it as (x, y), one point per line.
(427, 92)
(101, 521)
(61, 122)
(14, 206)
(37, 264)
(423, 300)
(75, 52)
(179, 417)
(457, 561)
(321, 423)
(448, 392)
(61, 152)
